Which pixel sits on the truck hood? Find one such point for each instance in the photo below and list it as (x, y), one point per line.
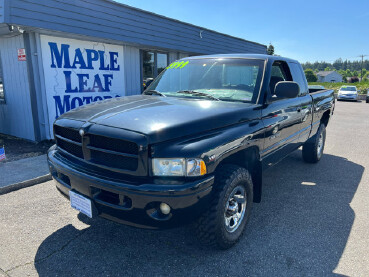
(163, 118)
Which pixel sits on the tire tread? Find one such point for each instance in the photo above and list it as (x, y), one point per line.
(206, 226)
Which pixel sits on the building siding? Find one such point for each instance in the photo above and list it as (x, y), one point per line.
(173, 56)
(109, 20)
(15, 115)
(333, 77)
(2, 11)
(132, 70)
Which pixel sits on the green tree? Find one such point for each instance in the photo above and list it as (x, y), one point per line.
(342, 72)
(348, 73)
(327, 69)
(310, 76)
(355, 73)
(270, 49)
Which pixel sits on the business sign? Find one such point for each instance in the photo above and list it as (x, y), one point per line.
(21, 55)
(80, 72)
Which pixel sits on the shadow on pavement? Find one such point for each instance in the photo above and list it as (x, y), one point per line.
(300, 227)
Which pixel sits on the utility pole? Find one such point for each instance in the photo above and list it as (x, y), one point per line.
(362, 62)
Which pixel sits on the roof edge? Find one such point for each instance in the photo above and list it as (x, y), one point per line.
(182, 22)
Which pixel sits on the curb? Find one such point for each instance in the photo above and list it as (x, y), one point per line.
(25, 184)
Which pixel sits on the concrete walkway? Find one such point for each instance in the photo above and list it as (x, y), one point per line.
(22, 170)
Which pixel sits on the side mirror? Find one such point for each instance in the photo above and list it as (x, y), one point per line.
(286, 89)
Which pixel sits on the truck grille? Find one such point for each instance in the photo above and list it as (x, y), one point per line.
(109, 153)
(113, 144)
(74, 149)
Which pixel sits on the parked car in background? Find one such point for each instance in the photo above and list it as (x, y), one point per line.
(318, 87)
(347, 93)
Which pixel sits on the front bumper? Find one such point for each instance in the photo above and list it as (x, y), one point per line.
(133, 204)
(347, 97)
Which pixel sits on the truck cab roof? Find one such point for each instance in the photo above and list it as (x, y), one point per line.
(242, 56)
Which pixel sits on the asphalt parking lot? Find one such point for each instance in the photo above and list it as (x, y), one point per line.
(313, 221)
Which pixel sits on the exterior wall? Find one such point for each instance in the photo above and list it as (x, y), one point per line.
(16, 117)
(132, 69)
(16, 114)
(334, 77)
(2, 11)
(111, 20)
(173, 56)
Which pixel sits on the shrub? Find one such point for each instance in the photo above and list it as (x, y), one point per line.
(353, 79)
(310, 76)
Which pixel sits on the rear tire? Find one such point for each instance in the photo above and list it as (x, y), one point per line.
(223, 224)
(312, 150)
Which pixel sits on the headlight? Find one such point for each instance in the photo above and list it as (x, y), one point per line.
(178, 167)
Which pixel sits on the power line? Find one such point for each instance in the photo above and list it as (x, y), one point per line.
(362, 62)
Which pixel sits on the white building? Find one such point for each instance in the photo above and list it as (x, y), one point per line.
(329, 77)
(57, 55)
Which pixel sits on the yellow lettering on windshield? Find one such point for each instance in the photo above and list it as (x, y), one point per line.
(181, 64)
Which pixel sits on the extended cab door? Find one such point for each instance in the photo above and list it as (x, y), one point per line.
(281, 118)
(298, 76)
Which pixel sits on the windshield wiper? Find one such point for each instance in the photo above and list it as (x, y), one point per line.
(154, 92)
(194, 92)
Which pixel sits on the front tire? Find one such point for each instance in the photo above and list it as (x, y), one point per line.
(312, 150)
(223, 224)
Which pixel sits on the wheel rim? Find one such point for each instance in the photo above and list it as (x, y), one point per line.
(320, 145)
(235, 209)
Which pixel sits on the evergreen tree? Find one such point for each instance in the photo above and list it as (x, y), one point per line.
(270, 49)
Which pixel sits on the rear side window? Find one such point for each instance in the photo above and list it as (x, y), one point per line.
(299, 78)
(280, 73)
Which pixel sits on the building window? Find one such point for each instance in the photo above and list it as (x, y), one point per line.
(148, 65)
(2, 90)
(152, 64)
(162, 62)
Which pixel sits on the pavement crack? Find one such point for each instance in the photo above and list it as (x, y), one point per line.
(3, 272)
(61, 248)
(48, 256)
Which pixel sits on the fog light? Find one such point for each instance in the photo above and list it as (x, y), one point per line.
(164, 208)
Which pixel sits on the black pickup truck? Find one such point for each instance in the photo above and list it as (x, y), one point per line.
(193, 146)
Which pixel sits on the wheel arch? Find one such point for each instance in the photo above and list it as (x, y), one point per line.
(248, 158)
(325, 117)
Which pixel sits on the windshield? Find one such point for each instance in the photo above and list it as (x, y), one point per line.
(348, 88)
(217, 79)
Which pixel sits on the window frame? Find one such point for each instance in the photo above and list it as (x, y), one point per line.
(299, 71)
(155, 71)
(287, 75)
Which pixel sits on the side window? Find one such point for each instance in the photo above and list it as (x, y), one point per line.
(2, 90)
(280, 72)
(297, 72)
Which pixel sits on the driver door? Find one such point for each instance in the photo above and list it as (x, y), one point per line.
(281, 118)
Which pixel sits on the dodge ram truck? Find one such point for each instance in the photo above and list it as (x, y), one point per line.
(193, 146)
